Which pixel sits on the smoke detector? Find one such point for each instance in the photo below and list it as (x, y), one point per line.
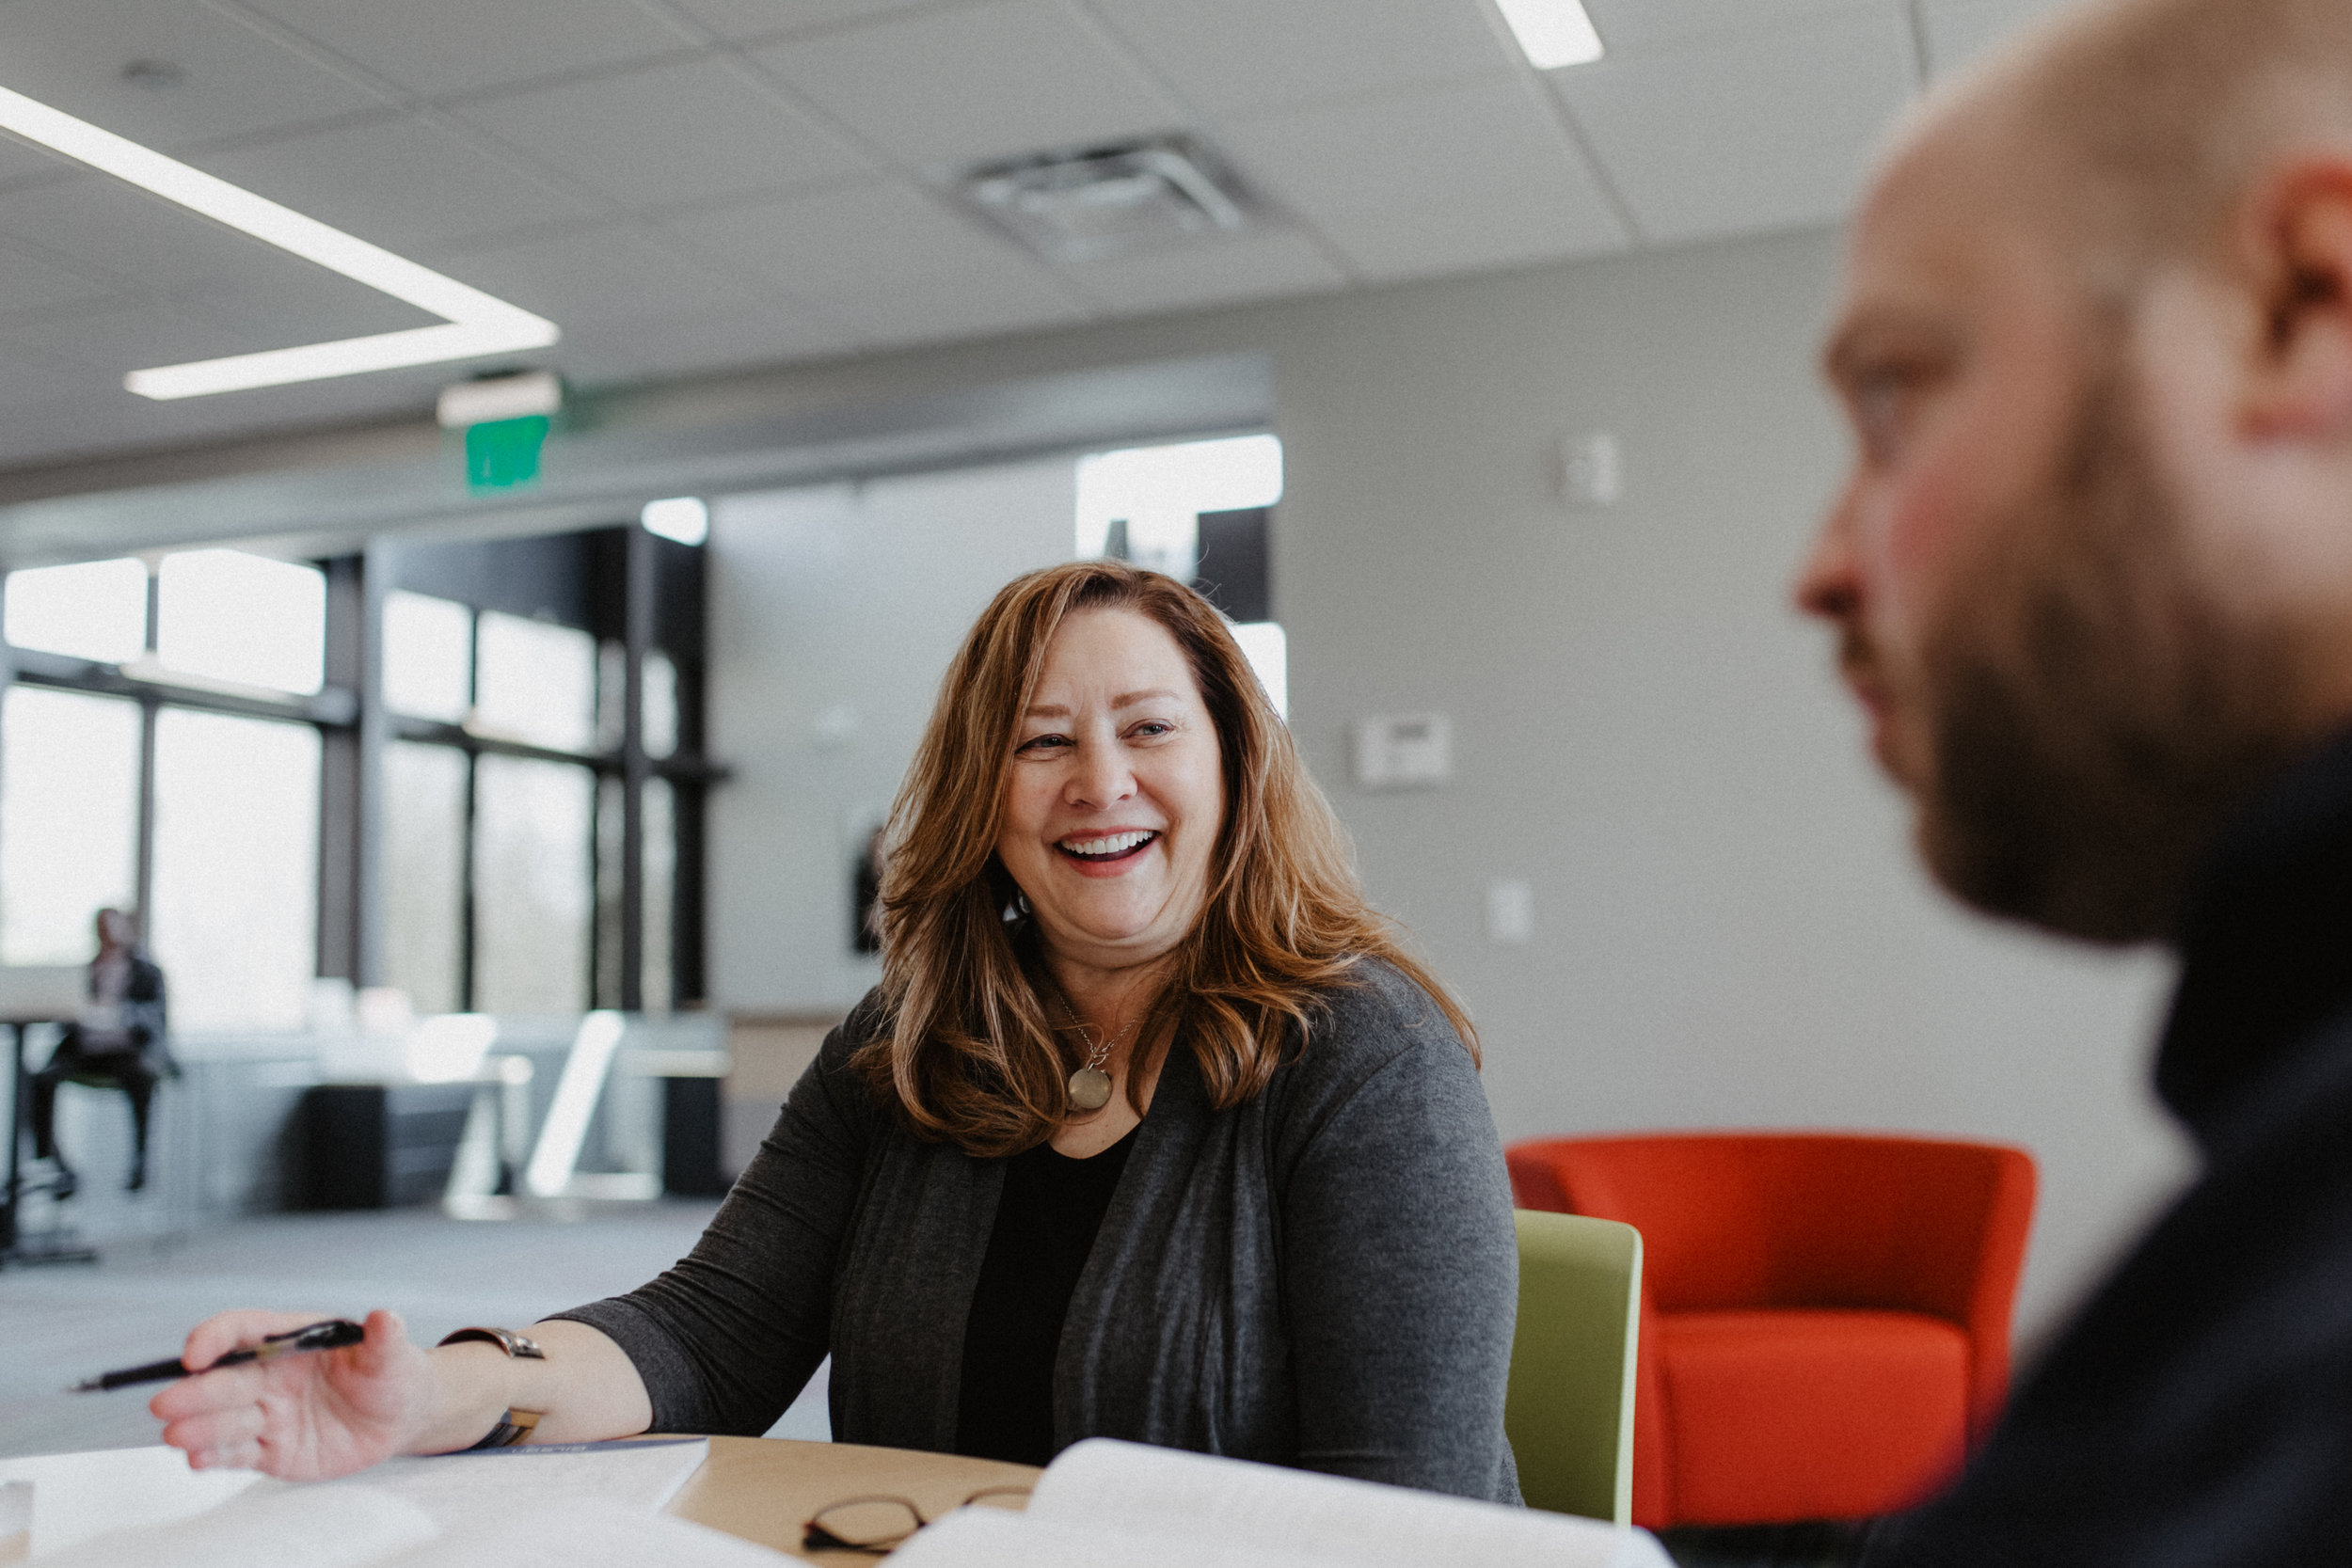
(1082, 203)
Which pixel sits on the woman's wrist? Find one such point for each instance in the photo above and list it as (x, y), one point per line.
(473, 1385)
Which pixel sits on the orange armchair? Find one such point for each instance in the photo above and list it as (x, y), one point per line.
(1824, 1319)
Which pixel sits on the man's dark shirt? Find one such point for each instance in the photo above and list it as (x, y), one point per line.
(2199, 1410)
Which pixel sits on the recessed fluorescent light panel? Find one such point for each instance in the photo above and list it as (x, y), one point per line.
(1552, 33)
(474, 323)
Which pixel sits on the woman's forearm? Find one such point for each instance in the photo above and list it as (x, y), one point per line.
(587, 1389)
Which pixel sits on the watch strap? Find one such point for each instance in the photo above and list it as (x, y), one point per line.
(519, 1346)
(512, 1427)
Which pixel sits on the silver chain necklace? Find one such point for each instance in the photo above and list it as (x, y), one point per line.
(1089, 1085)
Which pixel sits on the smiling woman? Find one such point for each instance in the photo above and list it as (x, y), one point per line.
(1103, 764)
(1150, 1131)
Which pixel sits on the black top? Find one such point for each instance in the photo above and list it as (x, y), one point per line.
(2199, 1410)
(1046, 1221)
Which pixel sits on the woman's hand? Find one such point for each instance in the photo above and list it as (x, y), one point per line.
(309, 1416)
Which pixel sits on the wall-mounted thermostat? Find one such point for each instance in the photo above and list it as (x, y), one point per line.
(1592, 470)
(1510, 909)
(1408, 750)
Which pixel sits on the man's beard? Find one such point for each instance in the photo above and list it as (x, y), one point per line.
(2094, 712)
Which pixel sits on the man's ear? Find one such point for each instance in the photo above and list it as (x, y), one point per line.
(2300, 240)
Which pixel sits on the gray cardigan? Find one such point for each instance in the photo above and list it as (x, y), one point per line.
(1324, 1277)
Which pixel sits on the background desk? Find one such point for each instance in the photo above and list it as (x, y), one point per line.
(764, 1489)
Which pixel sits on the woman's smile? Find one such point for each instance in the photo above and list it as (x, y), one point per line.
(1107, 853)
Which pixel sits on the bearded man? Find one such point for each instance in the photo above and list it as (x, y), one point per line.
(2092, 576)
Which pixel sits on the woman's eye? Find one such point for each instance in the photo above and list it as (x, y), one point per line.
(1044, 743)
(1153, 728)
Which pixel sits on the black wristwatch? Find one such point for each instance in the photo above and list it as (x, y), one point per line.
(514, 1425)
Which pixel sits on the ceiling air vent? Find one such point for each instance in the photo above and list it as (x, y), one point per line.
(1094, 201)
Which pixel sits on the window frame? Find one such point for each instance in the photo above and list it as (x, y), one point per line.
(660, 608)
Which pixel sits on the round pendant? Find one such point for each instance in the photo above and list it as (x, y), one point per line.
(1089, 1088)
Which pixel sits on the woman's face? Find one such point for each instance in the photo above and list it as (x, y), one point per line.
(1116, 793)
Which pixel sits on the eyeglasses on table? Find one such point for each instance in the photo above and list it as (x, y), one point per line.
(877, 1523)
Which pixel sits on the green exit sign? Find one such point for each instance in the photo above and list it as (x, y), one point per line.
(503, 454)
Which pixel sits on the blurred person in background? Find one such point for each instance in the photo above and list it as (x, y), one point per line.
(117, 1043)
(2092, 578)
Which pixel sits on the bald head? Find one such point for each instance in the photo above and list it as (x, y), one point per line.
(2135, 127)
(2092, 570)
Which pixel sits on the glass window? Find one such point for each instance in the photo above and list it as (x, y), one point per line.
(609, 797)
(424, 854)
(96, 610)
(612, 695)
(661, 824)
(661, 718)
(531, 847)
(428, 657)
(235, 922)
(230, 616)
(656, 991)
(69, 819)
(1158, 494)
(535, 683)
(1268, 652)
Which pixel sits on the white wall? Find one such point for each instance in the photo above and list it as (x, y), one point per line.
(833, 611)
(1729, 927)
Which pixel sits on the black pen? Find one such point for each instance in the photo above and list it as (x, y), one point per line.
(333, 1333)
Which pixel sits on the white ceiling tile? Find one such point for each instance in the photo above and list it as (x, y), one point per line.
(1641, 26)
(941, 310)
(1769, 129)
(957, 87)
(71, 55)
(605, 272)
(118, 337)
(1436, 181)
(1958, 31)
(1237, 56)
(669, 134)
(55, 426)
(298, 304)
(773, 334)
(403, 184)
(444, 46)
(21, 160)
(1214, 272)
(111, 229)
(745, 18)
(883, 260)
(30, 282)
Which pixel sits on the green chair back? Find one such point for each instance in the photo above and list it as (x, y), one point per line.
(1570, 1412)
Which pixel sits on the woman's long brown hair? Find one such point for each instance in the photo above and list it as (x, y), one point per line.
(968, 1050)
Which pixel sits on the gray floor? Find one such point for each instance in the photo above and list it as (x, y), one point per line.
(61, 1322)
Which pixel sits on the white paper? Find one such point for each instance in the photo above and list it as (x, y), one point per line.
(290, 1527)
(78, 1496)
(997, 1538)
(1218, 1505)
(459, 1490)
(589, 1534)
